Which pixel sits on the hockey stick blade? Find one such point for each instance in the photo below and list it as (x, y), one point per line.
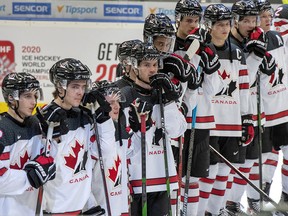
(194, 46)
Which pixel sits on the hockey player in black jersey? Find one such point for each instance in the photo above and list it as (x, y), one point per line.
(22, 167)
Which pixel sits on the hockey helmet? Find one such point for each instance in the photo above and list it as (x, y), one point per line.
(216, 12)
(159, 25)
(14, 84)
(143, 51)
(244, 8)
(124, 49)
(68, 69)
(263, 5)
(109, 89)
(187, 8)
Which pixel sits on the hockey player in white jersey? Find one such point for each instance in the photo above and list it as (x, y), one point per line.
(281, 25)
(251, 39)
(145, 99)
(231, 105)
(73, 146)
(273, 93)
(22, 167)
(188, 14)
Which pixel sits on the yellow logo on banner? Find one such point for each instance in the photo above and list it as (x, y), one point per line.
(60, 8)
(285, 1)
(152, 10)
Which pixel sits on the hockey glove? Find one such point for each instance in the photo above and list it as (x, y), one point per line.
(40, 170)
(268, 65)
(183, 109)
(100, 104)
(195, 81)
(209, 60)
(200, 34)
(256, 43)
(247, 130)
(178, 67)
(53, 113)
(172, 88)
(138, 108)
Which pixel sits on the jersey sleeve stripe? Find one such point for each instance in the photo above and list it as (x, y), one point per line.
(244, 86)
(243, 72)
(3, 170)
(5, 156)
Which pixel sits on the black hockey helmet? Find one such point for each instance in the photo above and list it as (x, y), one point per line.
(244, 8)
(216, 12)
(281, 12)
(68, 69)
(187, 8)
(109, 89)
(143, 51)
(159, 25)
(14, 84)
(263, 5)
(124, 49)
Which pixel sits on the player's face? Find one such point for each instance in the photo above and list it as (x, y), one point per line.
(74, 93)
(162, 43)
(148, 69)
(186, 25)
(27, 103)
(220, 30)
(265, 20)
(115, 106)
(247, 25)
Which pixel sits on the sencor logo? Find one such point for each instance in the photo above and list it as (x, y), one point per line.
(123, 10)
(76, 10)
(31, 8)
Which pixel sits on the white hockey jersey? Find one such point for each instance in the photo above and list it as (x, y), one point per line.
(175, 126)
(22, 143)
(71, 188)
(233, 100)
(274, 88)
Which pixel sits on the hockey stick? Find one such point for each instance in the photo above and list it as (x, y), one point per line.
(180, 168)
(248, 181)
(143, 164)
(194, 46)
(101, 160)
(189, 162)
(259, 134)
(167, 176)
(47, 153)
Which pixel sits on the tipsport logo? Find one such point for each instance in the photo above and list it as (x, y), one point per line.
(7, 58)
(68, 9)
(166, 11)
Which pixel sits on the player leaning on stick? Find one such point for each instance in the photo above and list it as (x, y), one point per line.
(188, 14)
(22, 169)
(143, 98)
(73, 146)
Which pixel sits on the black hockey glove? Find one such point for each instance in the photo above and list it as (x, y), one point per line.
(268, 65)
(53, 113)
(102, 107)
(183, 109)
(209, 60)
(256, 43)
(200, 34)
(195, 81)
(247, 130)
(138, 108)
(40, 170)
(172, 88)
(178, 67)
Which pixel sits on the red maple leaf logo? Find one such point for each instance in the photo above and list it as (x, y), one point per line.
(224, 75)
(19, 163)
(114, 171)
(71, 159)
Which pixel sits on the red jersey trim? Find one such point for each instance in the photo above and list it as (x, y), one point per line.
(277, 115)
(5, 156)
(203, 119)
(153, 182)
